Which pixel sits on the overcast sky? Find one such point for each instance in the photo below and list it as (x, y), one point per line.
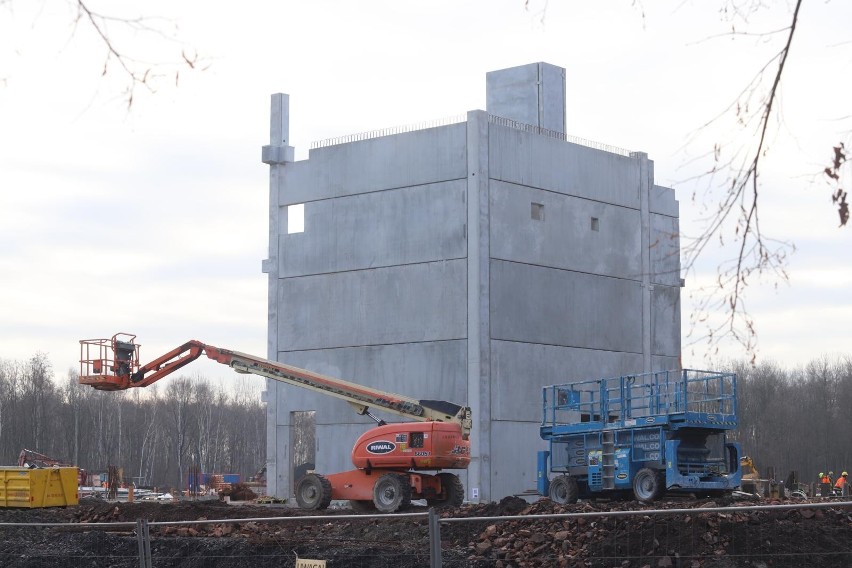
(154, 220)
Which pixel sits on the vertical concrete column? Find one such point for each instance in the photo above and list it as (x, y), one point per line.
(645, 184)
(478, 301)
(276, 155)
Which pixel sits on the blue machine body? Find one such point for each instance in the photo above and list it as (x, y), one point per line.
(602, 432)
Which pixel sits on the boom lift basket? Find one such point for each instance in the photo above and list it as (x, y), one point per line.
(114, 357)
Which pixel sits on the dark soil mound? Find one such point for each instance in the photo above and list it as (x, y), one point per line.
(728, 539)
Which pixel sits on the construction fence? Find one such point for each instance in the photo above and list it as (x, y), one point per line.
(760, 536)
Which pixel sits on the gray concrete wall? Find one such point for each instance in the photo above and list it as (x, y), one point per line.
(663, 201)
(665, 250)
(665, 276)
(553, 165)
(513, 462)
(432, 370)
(403, 160)
(560, 307)
(571, 298)
(399, 304)
(374, 289)
(378, 229)
(521, 370)
(665, 322)
(564, 237)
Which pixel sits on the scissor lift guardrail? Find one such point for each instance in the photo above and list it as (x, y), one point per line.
(683, 398)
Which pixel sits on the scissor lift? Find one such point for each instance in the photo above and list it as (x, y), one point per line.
(647, 433)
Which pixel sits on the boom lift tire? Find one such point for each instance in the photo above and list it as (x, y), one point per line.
(564, 490)
(453, 492)
(392, 492)
(648, 485)
(313, 492)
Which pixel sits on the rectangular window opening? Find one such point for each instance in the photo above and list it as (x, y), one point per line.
(296, 218)
(596, 224)
(537, 211)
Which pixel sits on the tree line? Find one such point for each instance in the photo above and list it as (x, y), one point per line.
(789, 419)
(155, 435)
(796, 420)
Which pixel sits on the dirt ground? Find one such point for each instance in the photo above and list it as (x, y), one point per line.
(756, 539)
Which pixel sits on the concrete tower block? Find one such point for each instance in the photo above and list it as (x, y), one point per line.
(474, 262)
(532, 94)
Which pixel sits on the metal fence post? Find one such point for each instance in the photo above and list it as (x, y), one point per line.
(434, 539)
(143, 539)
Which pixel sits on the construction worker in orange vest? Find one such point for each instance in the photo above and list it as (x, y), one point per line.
(824, 485)
(840, 485)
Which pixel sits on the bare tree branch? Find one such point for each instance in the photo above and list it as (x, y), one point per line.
(756, 253)
(139, 73)
(109, 31)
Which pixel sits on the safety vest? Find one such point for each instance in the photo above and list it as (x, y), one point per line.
(841, 481)
(826, 479)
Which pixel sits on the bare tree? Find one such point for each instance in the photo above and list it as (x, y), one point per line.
(814, 398)
(179, 404)
(38, 398)
(206, 419)
(8, 373)
(150, 429)
(140, 431)
(822, 383)
(73, 397)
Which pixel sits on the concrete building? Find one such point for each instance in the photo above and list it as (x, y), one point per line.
(474, 261)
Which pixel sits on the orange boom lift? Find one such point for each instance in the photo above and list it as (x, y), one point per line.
(391, 460)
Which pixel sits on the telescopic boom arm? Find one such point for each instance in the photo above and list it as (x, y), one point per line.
(113, 364)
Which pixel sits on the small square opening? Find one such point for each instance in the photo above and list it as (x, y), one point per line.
(596, 224)
(537, 211)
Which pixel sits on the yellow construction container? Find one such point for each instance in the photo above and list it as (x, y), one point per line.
(34, 488)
